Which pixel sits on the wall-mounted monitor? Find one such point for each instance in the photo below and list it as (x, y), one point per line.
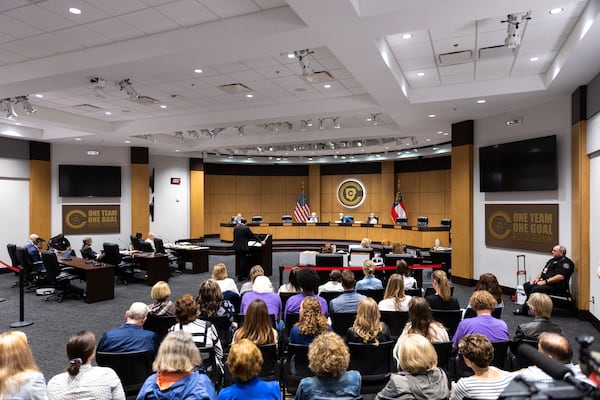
(89, 181)
(525, 165)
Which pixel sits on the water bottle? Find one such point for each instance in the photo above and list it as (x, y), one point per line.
(437, 244)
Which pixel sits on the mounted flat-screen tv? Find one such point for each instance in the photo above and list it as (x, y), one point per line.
(89, 181)
(526, 165)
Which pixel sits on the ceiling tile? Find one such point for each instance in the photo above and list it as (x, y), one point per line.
(89, 12)
(148, 21)
(413, 51)
(83, 36)
(16, 28)
(154, 3)
(8, 57)
(417, 63)
(6, 38)
(40, 18)
(118, 7)
(451, 45)
(418, 37)
(274, 72)
(453, 32)
(187, 12)
(491, 38)
(266, 4)
(245, 76)
(230, 8)
(54, 43)
(26, 49)
(115, 29)
(230, 67)
(456, 79)
(9, 4)
(261, 62)
(458, 69)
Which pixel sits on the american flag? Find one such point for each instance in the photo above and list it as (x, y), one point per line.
(302, 211)
(398, 208)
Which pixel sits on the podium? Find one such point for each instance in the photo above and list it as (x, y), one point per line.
(258, 255)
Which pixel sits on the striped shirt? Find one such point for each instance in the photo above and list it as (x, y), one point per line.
(474, 388)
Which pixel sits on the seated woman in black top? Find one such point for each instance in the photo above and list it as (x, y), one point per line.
(442, 299)
(87, 252)
(368, 327)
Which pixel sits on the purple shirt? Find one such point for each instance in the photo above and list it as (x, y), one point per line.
(293, 304)
(272, 300)
(494, 329)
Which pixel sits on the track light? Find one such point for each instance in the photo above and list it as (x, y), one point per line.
(27, 107)
(321, 123)
(241, 130)
(125, 84)
(375, 119)
(516, 26)
(336, 123)
(302, 56)
(7, 106)
(99, 87)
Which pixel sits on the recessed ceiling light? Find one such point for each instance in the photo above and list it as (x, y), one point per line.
(445, 133)
(428, 140)
(534, 59)
(557, 10)
(439, 132)
(18, 123)
(431, 116)
(93, 153)
(481, 101)
(77, 138)
(407, 36)
(39, 96)
(176, 150)
(198, 70)
(327, 86)
(421, 74)
(74, 10)
(163, 106)
(369, 119)
(249, 95)
(435, 148)
(107, 113)
(310, 158)
(128, 141)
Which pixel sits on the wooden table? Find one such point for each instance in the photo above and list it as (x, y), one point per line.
(156, 265)
(99, 278)
(197, 255)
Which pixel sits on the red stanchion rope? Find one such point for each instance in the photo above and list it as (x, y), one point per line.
(14, 269)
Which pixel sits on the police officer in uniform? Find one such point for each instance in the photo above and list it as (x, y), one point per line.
(553, 279)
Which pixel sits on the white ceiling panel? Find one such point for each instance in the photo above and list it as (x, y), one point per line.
(230, 8)
(8, 57)
(417, 63)
(115, 29)
(452, 32)
(118, 7)
(266, 4)
(16, 28)
(418, 36)
(61, 8)
(28, 50)
(418, 50)
(261, 62)
(456, 69)
(149, 21)
(53, 43)
(245, 76)
(84, 36)
(457, 79)
(458, 43)
(187, 12)
(40, 18)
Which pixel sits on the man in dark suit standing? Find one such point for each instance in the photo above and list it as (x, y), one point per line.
(241, 235)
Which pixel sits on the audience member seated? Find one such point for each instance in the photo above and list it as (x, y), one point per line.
(308, 280)
(30, 242)
(82, 380)
(421, 322)
(130, 336)
(20, 377)
(419, 376)
(552, 279)
(490, 283)
(160, 293)
(61, 244)
(372, 219)
(245, 363)
(204, 334)
(255, 271)
(368, 327)
(487, 382)
(398, 248)
(409, 281)
(442, 299)
(483, 303)
(87, 252)
(365, 243)
(334, 284)
(263, 290)
(369, 281)
(150, 240)
(176, 376)
(347, 301)
(343, 219)
(328, 358)
(212, 304)
(540, 305)
(257, 325)
(558, 348)
(394, 298)
(292, 285)
(312, 322)
(220, 275)
(327, 249)
(35, 255)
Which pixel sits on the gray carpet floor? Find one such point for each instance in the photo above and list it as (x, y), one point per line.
(54, 322)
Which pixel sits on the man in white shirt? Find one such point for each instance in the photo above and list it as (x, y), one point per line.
(334, 284)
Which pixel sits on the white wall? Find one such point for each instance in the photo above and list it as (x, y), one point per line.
(171, 202)
(14, 204)
(593, 134)
(542, 120)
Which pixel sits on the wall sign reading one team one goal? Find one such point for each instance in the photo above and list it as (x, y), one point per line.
(91, 219)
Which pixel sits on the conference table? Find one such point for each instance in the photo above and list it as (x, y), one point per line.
(414, 236)
(99, 278)
(187, 252)
(156, 266)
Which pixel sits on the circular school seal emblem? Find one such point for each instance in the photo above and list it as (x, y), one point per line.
(499, 225)
(351, 193)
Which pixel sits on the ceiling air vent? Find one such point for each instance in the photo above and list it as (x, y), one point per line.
(144, 100)
(320, 76)
(88, 107)
(235, 88)
(495, 52)
(457, 57)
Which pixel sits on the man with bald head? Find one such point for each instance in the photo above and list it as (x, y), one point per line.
(130, 336)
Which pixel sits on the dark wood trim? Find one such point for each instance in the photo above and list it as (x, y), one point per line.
(196, 164)
(462, 132)
(139, 155)
(256, 170)
(39, 151)
(423, 164)
(579, 105)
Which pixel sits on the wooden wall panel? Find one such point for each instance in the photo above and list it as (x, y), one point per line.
(462, 204)
(197, 204)
(140, 218)
(39, 198)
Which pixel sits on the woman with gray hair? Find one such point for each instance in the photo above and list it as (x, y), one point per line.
(176, 376)
(262, 289)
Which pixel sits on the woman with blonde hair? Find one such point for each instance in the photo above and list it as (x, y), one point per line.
(255, 271)
(328, 358)
(82, 380)
(421, 322)
(312, 322)
(220, 275)
(369, 281)
(368, 327)
(257, 325)
(20, 377)
(365, 243)
(394, 298)
(176, 376)
(419, 376)
(245, 363)
(160, 293)
(442, 299)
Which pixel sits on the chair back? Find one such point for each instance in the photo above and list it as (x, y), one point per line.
(12, 252)
(111, 253)
(234, 299)
(295, 366)
(209, 362)
(516, 360)
(501, 359)
(132, 367)
(146, 247)
(284, 296)
(357, 257)
(24, 260)
(159, 245)
(223, 325)
(444, 354)
(414, 292)
(469, 313)
(159, 324)
(52, 267)
(375, 364)
(375, 294)
(341, 322)
(395, 320)
(290, 321)
(271, 368)
(135, 242)
(449, 318)
(328, 296)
